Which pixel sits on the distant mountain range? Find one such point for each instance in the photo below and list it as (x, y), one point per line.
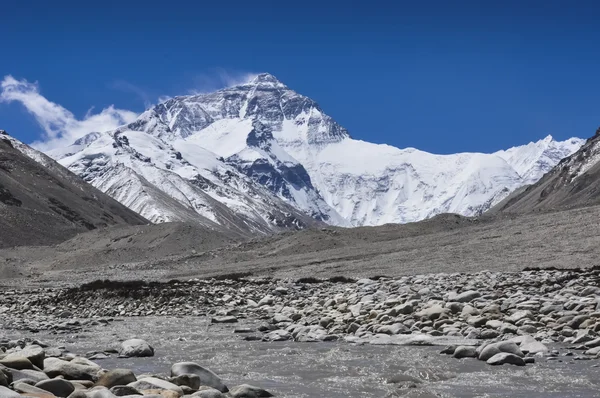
(574, 182)
(259, 157)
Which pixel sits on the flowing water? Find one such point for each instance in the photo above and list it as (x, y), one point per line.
(332, 369)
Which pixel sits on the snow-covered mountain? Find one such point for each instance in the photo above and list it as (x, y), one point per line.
(261, 157)
(572, 183)
(535, 159)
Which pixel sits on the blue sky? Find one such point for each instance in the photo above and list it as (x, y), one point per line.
(466, 76)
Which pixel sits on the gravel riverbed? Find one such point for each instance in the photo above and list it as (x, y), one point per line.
(534, 333)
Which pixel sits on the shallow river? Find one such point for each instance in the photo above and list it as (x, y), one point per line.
(329, 370)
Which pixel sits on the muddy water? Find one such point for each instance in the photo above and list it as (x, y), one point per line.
(332, 370)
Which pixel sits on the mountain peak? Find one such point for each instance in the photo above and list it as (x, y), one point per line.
(548, 138)
(266, 79)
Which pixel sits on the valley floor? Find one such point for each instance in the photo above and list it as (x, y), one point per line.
(447, 243)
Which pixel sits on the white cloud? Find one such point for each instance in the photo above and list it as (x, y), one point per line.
(218, 79)
(60, 126)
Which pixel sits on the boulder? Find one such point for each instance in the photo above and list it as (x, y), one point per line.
(28, 374)
(530, 345)
(3, 379)
(135, 348)
(17, 362)
(190, 380)
(58, 387)
(520, 315)
(34, 353)
(154, 383)
(432, 313)
(208, 392)
(30, 390)
(506, 358)
(123, 391)
(248, 391)
(465, 352)
(5, 392)
(466, 297)
(54, 367)
(404, 309)
(593, 351)
(277, 335)
(160, 393)
(116, 377)
(396, 328)
(207, 377)
(500, 347)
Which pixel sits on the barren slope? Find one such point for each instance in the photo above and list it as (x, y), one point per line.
(447, 243)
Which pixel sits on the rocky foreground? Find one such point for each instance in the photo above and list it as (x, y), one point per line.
(499, 318)
(32, 368)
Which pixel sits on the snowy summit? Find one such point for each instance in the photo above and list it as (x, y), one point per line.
(262, 157)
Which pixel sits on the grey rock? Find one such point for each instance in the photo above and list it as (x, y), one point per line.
(431, 313)
(28, 374)
(3, 379)
(190, 380)
(122, 391)
(116, 377)
(396, 328)
(501, 347)
(465, 352)
(34, 353)
(593, 351)
(508, 328)
(248, 391)
(503, 358)
(154, 383)
(207, 377)
(58, 387)
(520, 315)
(530, 345)
(17, 362)
(326, 321)
(277, 335)
(404, 309)
(136, 348)
(208, 392)
(224, 319)
(5, 392)
(28, 389)
(467, 296)
(54, 367)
